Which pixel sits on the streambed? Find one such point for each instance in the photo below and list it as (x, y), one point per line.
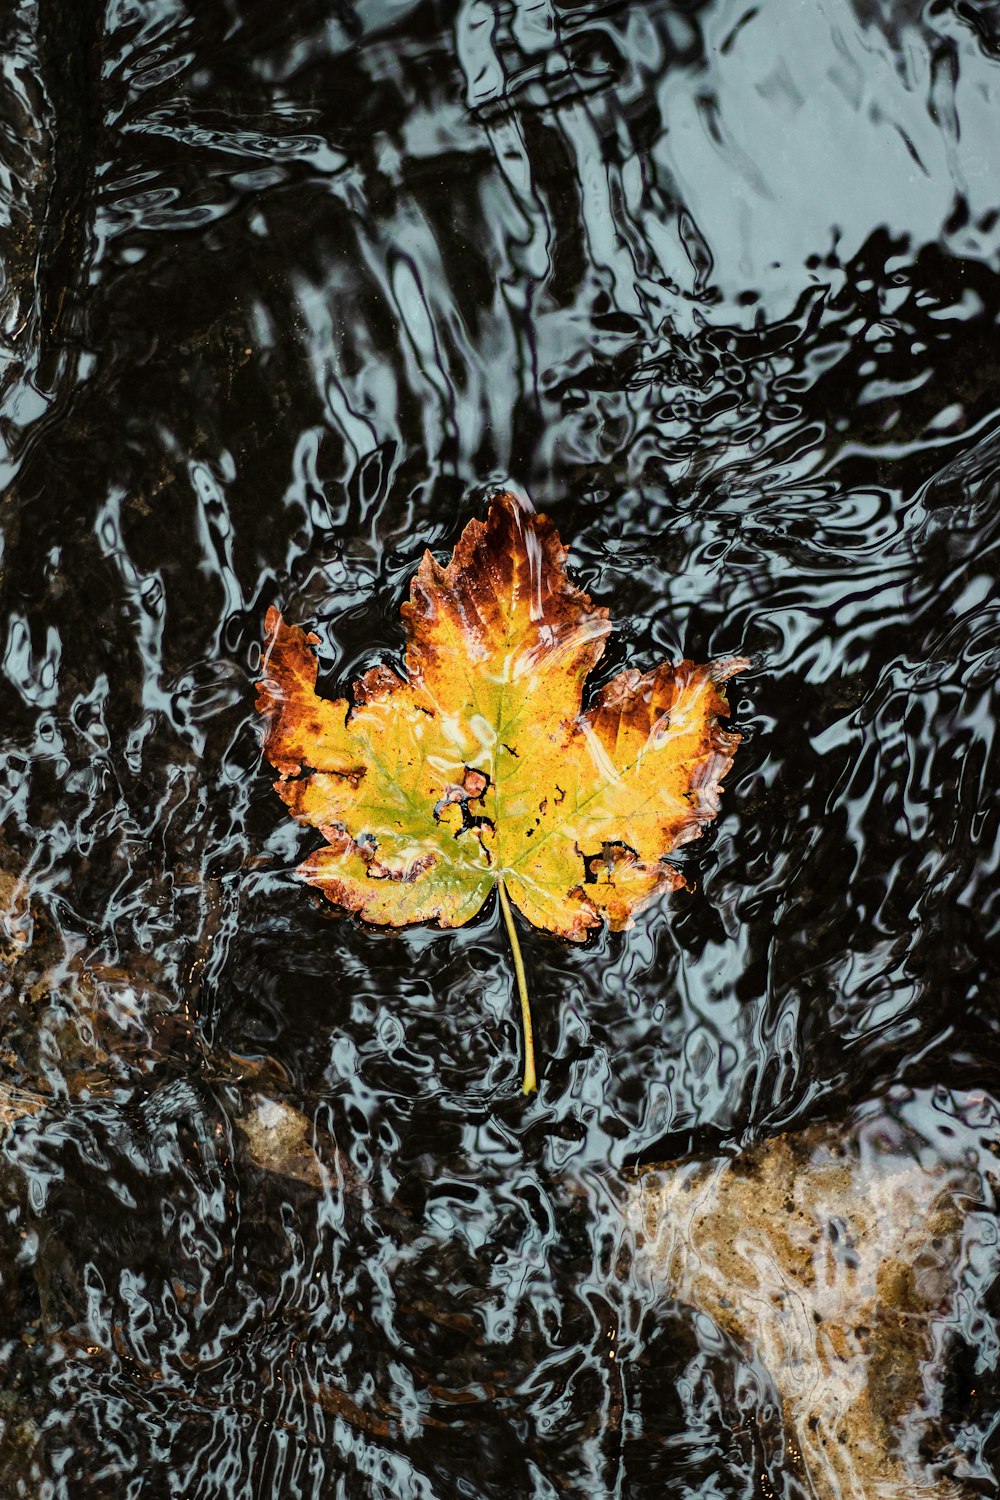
(284, 294)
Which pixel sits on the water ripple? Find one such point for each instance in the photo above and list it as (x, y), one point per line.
(281, 296)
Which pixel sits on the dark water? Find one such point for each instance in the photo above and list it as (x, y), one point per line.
(285, 287)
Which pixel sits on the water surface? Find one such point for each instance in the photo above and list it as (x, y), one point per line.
(285, 290)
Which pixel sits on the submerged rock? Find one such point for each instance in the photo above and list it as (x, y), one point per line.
(280, 1140)
(14, 1105)
(836, 1258)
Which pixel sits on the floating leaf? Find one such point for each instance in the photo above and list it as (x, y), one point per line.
(479, 769)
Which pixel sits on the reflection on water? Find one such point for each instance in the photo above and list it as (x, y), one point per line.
(718, 285)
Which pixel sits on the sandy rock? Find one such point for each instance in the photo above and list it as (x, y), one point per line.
(14, 1105)
(280, 1140)
(834, 1256)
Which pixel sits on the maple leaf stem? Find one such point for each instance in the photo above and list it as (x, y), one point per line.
(530, 1081)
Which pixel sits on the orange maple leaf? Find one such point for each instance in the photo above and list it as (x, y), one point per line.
(479, 769)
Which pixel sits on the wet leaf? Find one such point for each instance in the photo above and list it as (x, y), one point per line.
(479, 768)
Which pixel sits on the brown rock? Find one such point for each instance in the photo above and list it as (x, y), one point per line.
(280, 1140)
(834, 1258)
